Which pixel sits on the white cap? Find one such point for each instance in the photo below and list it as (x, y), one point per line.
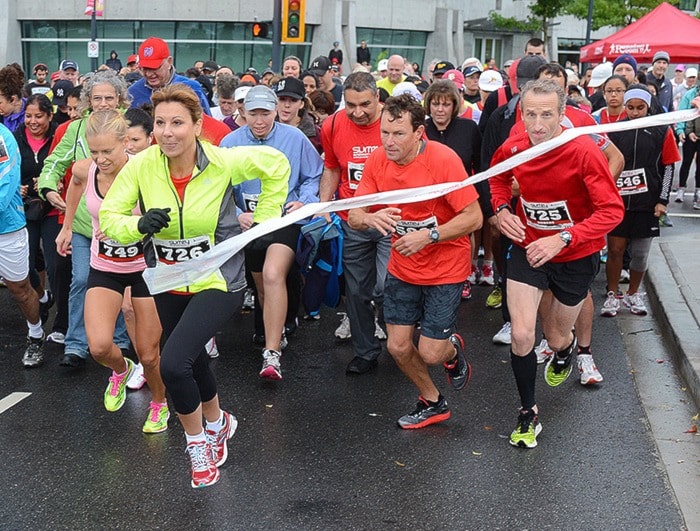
(240, 93)
(600, 74)
(490, 80)
(472, 61)
(691, 72)
(383, 65)
(406, 87)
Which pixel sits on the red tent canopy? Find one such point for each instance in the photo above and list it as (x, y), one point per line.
(665, 28)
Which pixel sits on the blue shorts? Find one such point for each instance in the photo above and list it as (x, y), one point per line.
(434, 307)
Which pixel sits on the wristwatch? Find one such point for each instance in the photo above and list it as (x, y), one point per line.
(504, 206)
(434, 235)
(566, 237)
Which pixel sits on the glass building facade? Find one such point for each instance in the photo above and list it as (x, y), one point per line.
(227, 43)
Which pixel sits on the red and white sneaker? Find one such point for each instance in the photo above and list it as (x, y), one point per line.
(473, 277)
(204, 470)
(486, 277)
(466, 291)
(218, 441)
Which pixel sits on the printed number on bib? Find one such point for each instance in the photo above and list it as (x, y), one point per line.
(116, 252)
(355, 174)
(405, 226)
(547, 216)
(632, 182)
(250, 201)
(173, 251)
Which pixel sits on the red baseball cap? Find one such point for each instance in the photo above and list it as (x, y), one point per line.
(133, 58)
(152, 52)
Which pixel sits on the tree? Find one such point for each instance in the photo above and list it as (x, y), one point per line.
(616, 13)
(542, 13)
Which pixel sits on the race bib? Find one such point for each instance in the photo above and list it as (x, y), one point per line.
(250, 201)
(547, 216)
(173, 251)
(116, 252)
(632, 182)
(355, 170)
(405, 226)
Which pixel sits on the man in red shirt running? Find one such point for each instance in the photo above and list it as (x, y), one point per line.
(567, 204)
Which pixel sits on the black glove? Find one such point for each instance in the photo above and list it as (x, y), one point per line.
(154, 221)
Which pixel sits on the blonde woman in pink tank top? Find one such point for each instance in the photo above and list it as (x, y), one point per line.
(114, 267)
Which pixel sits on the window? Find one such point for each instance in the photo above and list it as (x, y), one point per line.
(385, 42)
(488, 47)
(687, 5)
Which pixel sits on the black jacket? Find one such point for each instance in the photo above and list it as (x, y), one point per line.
(642, 149)
(32, 163)
(463, 136)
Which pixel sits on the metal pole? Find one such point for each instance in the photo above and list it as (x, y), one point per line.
(93, 35)
(590, 21)
(277, 35)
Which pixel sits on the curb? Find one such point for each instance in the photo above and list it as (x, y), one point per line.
(677, 311)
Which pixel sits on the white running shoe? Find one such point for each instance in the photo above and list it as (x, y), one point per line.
(248, 300)
(680, 195)
(56, 337)
(271, 369)
(635, 303)
(625, 276)
(611, 305)
(543, 352)
(284, 342)
(343, 331)
(212, 349)
(502, 337)
(589, 372)
(696, 200)
(137, 379)
(379, 332)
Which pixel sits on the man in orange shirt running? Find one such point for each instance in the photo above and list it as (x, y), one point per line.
(427, 265)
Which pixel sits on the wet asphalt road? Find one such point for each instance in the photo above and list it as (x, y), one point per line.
(321, 450)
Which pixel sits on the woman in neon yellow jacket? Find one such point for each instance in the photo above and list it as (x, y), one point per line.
(184, 188)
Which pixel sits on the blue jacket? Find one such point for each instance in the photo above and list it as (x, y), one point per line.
(11, 205)
(304, 160)
(140, 92)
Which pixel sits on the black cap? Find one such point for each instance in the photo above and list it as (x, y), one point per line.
(320, 65)
(60, 90)
(292, 87)
(210, 65)
(443, 66)
(528, 67)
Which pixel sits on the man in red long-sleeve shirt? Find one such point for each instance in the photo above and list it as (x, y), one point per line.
(568, 202)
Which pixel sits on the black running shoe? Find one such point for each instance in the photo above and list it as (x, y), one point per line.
(458, 369)
(425, 414)
(44, 307)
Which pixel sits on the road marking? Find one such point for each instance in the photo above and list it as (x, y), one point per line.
(11, 400)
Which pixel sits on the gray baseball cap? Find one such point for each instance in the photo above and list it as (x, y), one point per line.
(260, 97)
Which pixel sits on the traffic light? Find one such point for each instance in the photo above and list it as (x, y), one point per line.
(293, 20)
(260, 29)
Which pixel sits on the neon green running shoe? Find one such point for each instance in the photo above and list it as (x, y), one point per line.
(495, 298)
(157, 420)
(115, 394)
(526, 432)
(557, 370)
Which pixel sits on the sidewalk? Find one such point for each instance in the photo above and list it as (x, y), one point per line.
(676, 300)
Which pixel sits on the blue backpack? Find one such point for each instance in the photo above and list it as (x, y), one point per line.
(320, 259)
